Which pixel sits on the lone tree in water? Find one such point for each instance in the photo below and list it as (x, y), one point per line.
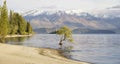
(65, 34)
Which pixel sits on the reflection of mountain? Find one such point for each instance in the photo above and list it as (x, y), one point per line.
(102, 21)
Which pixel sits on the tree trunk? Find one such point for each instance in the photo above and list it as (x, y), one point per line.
(60, 42)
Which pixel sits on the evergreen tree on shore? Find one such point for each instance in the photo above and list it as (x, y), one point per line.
(13, 24)
(21, 24)
(4, 20)
(29, 28)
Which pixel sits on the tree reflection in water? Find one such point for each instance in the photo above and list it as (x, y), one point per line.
(67, 51)
(14, 40)
(2, 40)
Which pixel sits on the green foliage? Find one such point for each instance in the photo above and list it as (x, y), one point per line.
(12, 24)
(29, 28)
(21, 24)
(4, 20)
(2, 40)
(66, 34)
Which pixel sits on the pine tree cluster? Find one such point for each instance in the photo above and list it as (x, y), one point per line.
(13, 23)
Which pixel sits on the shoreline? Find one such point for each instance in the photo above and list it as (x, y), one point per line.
(15, 54)
(10, 36)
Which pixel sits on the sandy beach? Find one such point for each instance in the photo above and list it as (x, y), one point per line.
(14, 54)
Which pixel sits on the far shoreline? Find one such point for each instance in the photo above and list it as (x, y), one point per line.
(10, 36)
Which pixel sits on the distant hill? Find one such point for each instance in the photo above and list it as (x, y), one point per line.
(90, 31)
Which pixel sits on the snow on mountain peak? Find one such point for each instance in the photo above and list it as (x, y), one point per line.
(49, 12)
(73, 11)
(32, 12)
(104, 13)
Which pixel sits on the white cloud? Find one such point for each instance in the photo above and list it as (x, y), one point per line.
(84, 5)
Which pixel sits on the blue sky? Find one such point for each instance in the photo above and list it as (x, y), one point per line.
(83, 5)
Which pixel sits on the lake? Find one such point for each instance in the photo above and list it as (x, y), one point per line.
(93, 48)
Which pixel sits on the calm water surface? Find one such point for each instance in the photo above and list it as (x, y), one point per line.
(97, 49)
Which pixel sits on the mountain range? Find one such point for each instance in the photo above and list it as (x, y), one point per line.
(97, 21)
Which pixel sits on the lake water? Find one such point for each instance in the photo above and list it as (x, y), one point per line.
(96, 49)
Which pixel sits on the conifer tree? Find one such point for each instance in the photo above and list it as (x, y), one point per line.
(21, 24)
(4, 20)
(29, 28)
(13, 23)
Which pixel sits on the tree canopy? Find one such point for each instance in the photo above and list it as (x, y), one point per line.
(4, 20)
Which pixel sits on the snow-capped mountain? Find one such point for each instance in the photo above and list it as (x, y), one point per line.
(105, 13)
(107, 19)
(50, 12)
